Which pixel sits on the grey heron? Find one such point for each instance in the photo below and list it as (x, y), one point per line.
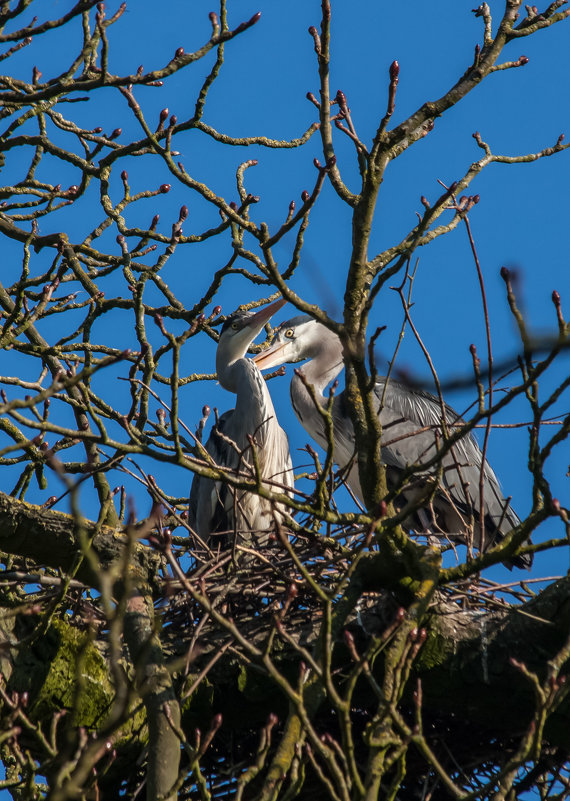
(215, 507)
(411, 431)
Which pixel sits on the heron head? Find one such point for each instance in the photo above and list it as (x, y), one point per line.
(295, 340)
(240, 329)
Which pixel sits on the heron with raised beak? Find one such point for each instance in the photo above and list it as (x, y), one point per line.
(243, 440)
(412, 435)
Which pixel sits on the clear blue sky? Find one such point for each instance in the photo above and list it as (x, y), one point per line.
(521, 220)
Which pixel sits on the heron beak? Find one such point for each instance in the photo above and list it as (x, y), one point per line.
(259, 319)
(272, 357)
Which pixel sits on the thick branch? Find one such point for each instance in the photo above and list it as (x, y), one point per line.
(51, 538)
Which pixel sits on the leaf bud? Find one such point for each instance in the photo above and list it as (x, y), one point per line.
(164, 188)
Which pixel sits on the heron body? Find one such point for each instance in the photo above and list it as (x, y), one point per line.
(412, 435)
(242, 436)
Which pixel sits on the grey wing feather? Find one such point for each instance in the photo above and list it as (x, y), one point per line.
(206, 510)
(404, 414)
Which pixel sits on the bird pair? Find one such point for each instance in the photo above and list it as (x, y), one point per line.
(249, 441)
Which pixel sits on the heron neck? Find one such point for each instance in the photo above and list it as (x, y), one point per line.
(253, 403)
(325, 365)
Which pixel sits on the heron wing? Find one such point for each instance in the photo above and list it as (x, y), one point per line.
(207, 511)
(411, 428)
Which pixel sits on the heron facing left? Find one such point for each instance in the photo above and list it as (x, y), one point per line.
(218, 511)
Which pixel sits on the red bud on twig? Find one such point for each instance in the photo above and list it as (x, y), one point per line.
(394, 73)
(160, 323)
(243, 25)
(292, 591)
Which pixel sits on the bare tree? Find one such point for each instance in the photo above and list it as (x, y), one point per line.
(350, 658)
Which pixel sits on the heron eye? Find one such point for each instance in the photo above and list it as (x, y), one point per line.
(235, 326)
(289, 333)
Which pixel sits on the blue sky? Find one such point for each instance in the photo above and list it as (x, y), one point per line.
(521, 220)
